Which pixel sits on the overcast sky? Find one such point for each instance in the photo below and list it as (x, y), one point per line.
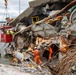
(13, 8)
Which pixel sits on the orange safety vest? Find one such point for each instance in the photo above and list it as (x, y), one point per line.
(36, 53)
(50, 50)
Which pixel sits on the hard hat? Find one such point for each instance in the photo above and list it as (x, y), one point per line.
(11, 32)
(35, 48)
(7, 32)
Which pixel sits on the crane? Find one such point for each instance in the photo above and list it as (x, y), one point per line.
(6, 3)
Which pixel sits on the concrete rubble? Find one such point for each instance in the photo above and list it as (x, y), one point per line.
(10, 70)
(39, 37)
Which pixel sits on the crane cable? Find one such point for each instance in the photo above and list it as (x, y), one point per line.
(6, 3)
(5, 11)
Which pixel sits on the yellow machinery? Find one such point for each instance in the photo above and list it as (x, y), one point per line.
(35, 19)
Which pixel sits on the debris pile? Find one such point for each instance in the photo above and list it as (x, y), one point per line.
(46, 47)
(67, 65)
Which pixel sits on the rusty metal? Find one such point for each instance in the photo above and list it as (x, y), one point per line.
(47, 18)
(65, 8)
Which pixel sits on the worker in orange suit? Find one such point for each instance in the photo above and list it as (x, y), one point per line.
(36, 54)
(50, 52)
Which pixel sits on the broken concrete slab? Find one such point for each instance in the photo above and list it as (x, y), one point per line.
(10, 70)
